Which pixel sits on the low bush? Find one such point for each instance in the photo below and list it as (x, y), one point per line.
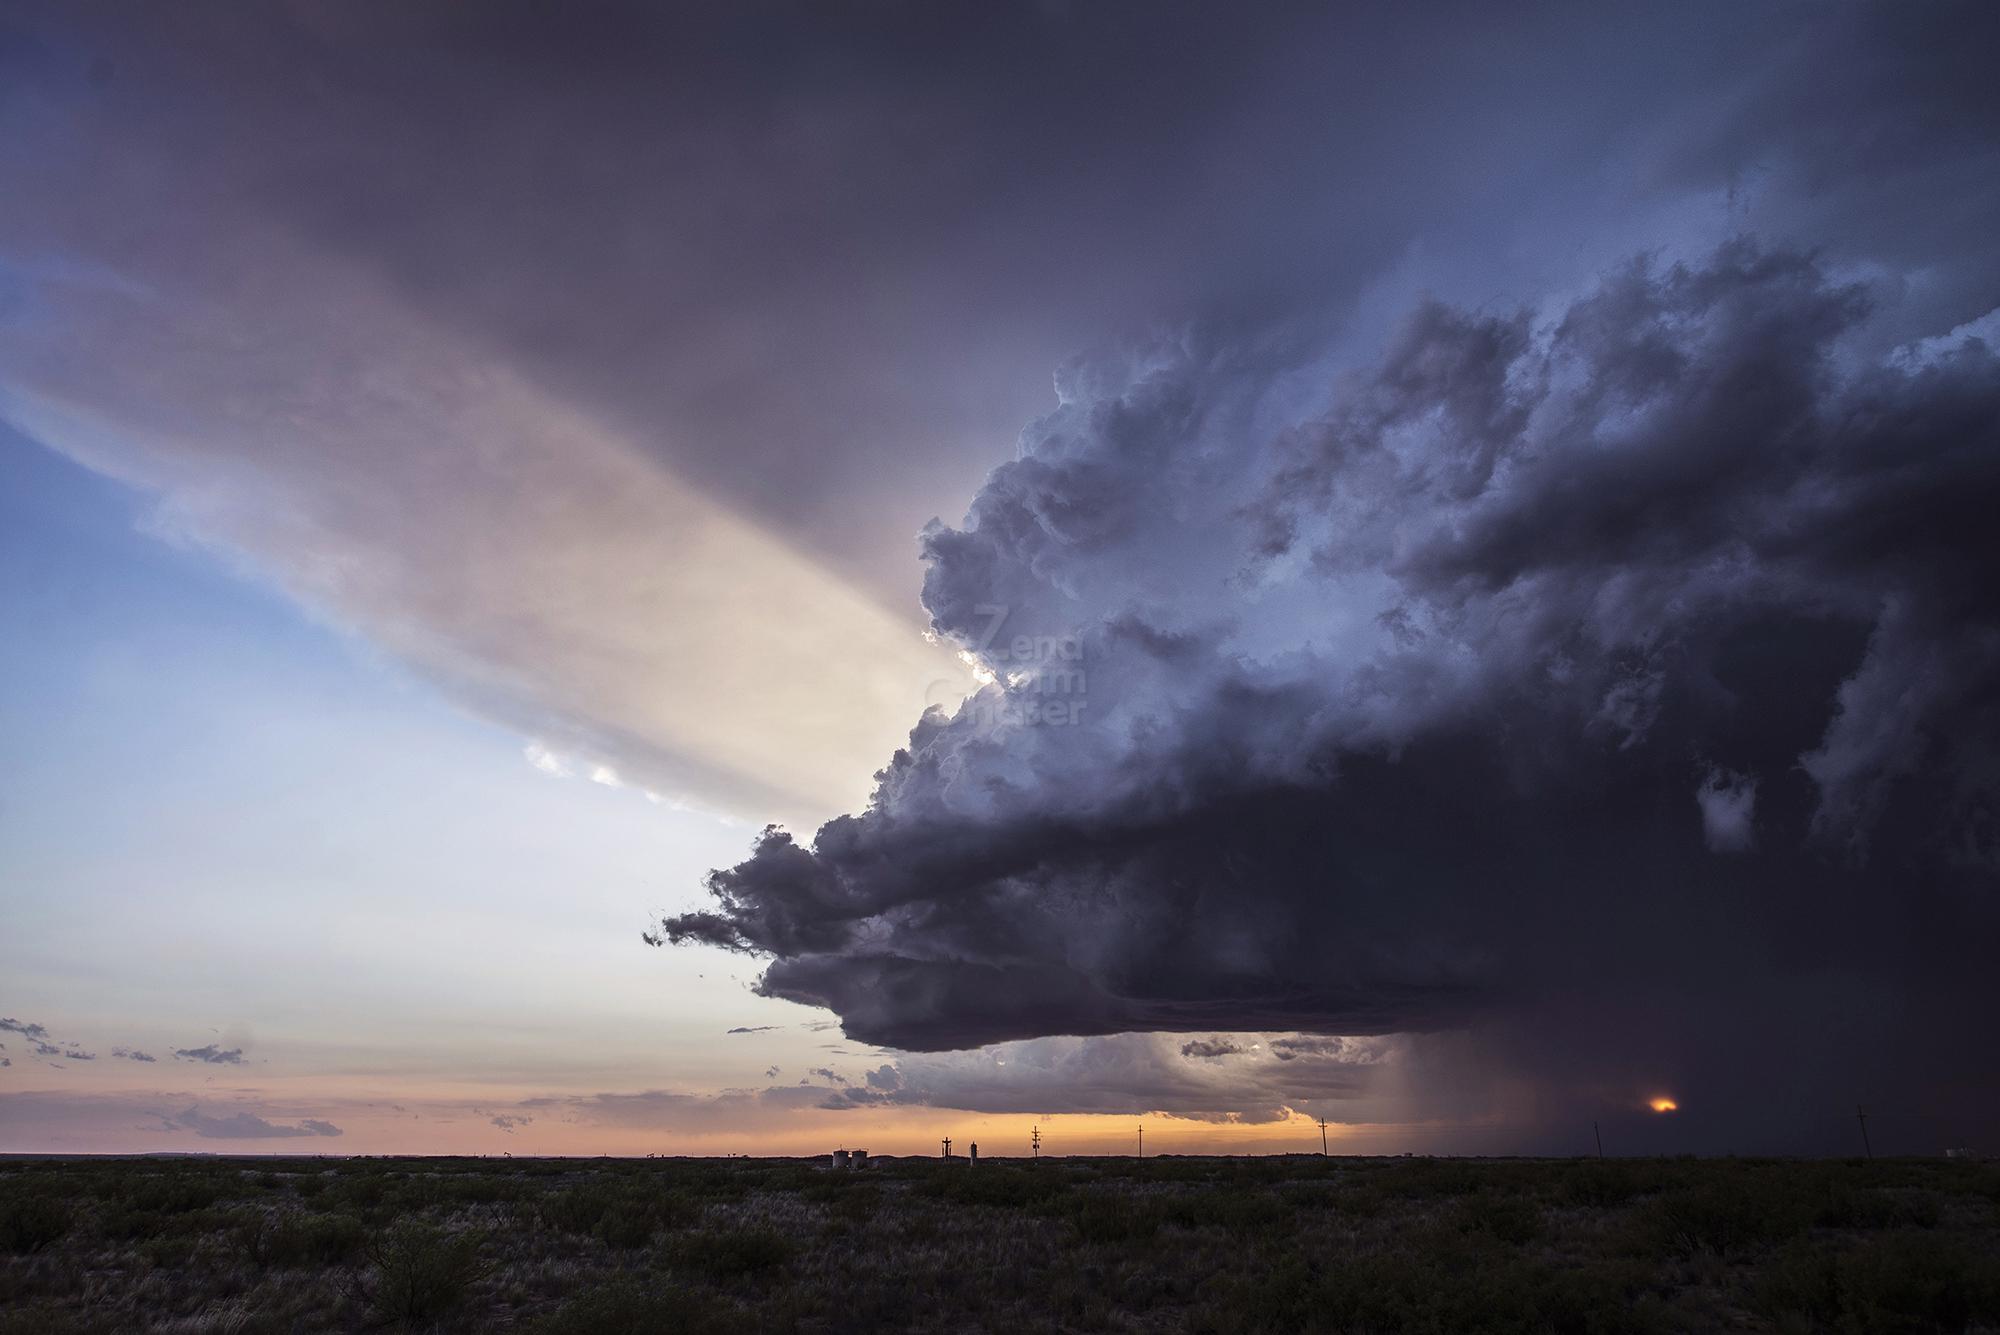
(422, 1271)
(727, 1255)
(31, 1223)
(632, 1309)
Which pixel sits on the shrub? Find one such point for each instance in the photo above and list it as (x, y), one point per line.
(1887, 1285)
(629, 1309)
(1720, 1218)
(728, 1255)
(1114, 1219)
(422, 1271)
(315, 1239)
(1511, 1219)
(1235, 1211)
(620, 1216)
(1603, 1186)
(30, 1223)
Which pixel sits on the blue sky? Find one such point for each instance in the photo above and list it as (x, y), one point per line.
(222, 817)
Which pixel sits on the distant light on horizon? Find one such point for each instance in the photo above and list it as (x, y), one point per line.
(1664, 1105)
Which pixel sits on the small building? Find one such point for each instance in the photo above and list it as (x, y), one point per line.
(857, 1158)
(841, 1158)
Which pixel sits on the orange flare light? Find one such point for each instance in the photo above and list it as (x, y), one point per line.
(1663, 1105)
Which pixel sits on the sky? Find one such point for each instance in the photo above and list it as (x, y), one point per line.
(651, 579)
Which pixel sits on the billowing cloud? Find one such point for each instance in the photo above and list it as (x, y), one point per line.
(636, 476)
(1384, 716)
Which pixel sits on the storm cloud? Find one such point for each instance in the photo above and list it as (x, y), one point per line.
(1636, 646)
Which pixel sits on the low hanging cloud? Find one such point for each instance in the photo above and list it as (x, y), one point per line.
(247, 1126)
(1132, 1073)
(133, 1055)
(31, 1032)
(1384, 717)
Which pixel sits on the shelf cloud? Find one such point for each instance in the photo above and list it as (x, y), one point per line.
(1639, 646)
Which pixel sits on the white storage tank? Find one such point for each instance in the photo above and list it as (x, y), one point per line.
(840, 1158)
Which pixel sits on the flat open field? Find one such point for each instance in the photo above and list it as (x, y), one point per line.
(1278, 1244)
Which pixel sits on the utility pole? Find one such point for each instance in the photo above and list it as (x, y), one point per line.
(1142, 1142)
(1035, 1141)
(1322, 1138)
(1600, 1139)
(947, 1149)
(1861, 1114)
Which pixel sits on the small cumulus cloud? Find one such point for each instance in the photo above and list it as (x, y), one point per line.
(1210, 1048)
(212, 1054)
(508, 1122)
(31, 1032)
(133, 1055)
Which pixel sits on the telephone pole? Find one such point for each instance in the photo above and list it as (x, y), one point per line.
(1142, 1142)
(1322, 1138)
(1861, 1115)
(1035, 1141)
(947, 1148)
(1600, 1139)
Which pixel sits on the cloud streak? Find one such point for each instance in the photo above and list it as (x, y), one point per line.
(248, 1126)
(212, 1054)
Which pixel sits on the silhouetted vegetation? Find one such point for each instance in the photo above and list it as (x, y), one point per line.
(708, 1247)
